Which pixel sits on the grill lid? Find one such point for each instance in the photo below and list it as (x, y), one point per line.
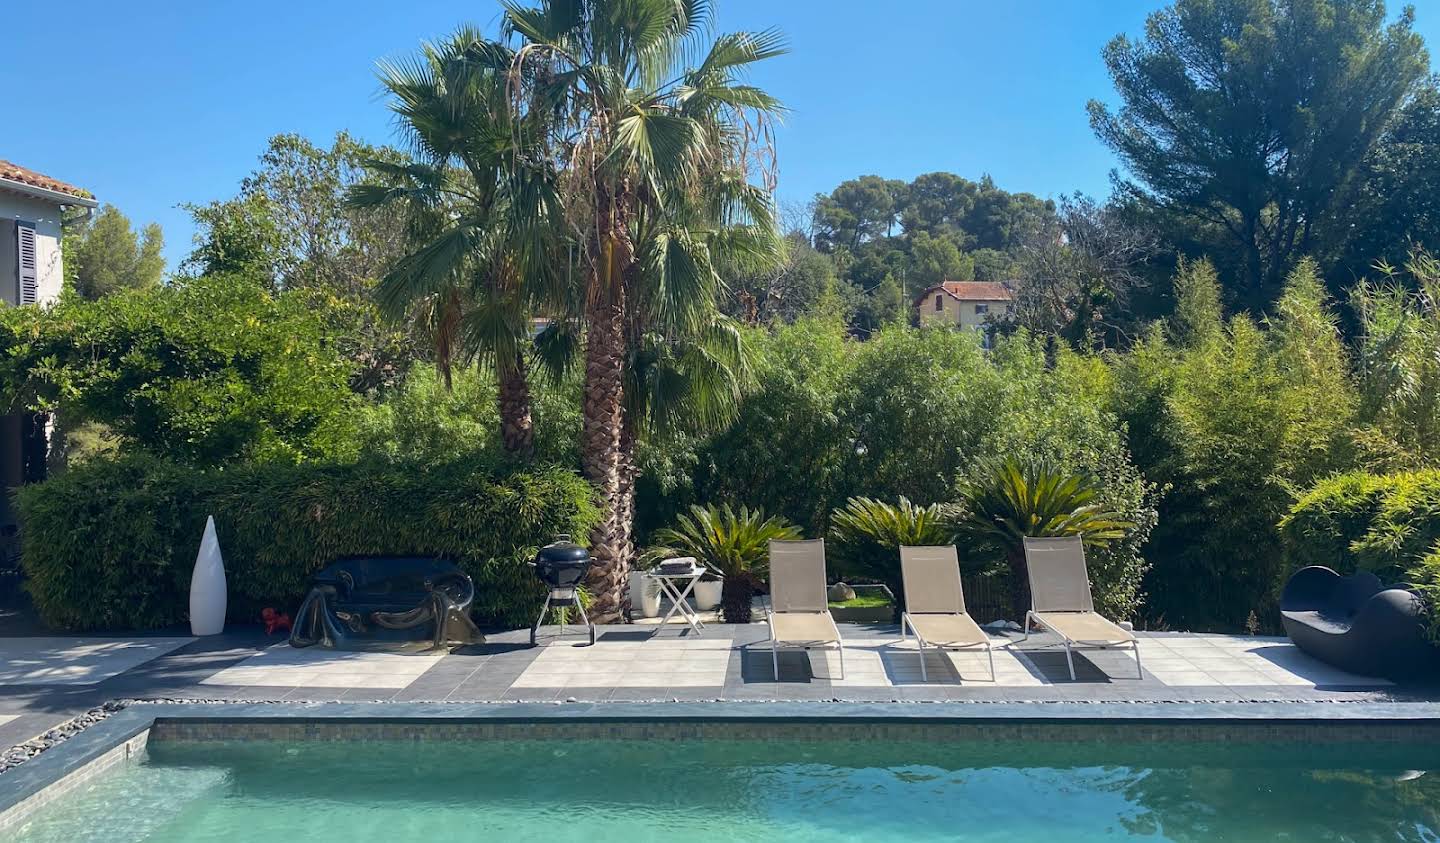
(562, 550)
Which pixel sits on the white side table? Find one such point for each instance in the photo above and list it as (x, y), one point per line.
(678, 587)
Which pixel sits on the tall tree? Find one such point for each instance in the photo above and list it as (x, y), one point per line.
(105, 255)
(657, 151)
(1249, 120)
(1079, 271)
(857, 211)
(1398, 208)
(480, 193)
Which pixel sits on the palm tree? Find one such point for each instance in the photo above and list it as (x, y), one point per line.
(483, 206)
(1014, 499)
(657, 157)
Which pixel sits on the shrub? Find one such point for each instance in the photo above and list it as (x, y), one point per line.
(111, 544)
(733, 543)
(1388, 524)
(1014, 500)
(205, 372)
(1383, 523)
(867, 534)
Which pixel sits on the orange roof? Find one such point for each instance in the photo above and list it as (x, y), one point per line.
(973, 291)
(17, 173)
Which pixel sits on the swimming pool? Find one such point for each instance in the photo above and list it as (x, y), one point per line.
(849, 788)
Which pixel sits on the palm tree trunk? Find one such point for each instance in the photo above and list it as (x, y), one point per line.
(517, 429)
(603, 421)
(625, 496)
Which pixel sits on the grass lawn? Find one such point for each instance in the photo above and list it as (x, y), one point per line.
(862, 601)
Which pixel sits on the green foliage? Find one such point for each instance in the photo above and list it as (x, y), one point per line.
(890, 240)
(1398, 363)
(1008, 500)
(206, 371)
(111, 544)
(729, 541)
(239, 236)
(734, 543)
(1399, 199)
(866, 535)
(1017, 499)
(1384, 523)
(422, 421)
(1228, 423)
(1388, 524)
(103, 255)
(908, 414)
(1245, 123)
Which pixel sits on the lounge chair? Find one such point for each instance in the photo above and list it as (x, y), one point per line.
(935, 604)
(1060, 599)
(799, 614)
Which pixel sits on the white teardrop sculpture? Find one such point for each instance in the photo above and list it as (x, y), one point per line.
(207, 586)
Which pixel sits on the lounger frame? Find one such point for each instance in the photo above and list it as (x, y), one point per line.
(945, 604)
(809, 553)
(1067, 592)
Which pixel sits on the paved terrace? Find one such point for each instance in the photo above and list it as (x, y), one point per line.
(47, 680)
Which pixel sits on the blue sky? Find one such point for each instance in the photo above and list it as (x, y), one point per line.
(153, 104)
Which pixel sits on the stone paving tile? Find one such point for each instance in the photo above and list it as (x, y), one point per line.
(729, 662)
(76, 661)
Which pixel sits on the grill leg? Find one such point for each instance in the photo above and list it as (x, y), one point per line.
(585, 619)
(535, 630)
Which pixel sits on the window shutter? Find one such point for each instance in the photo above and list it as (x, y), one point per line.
(27, 263)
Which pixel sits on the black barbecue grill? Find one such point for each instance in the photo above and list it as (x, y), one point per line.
(562, 566)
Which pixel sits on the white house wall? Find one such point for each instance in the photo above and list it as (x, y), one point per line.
(45, 216)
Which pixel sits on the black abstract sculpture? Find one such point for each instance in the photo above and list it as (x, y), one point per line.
(363, 601)
(1357, 624)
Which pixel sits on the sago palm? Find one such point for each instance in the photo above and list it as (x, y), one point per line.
(484, 259)
(1013, 499)
(866, 535)
(657, 154)
(734, 543)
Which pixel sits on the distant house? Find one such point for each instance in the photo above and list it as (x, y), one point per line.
(31, 205)
(964, 304)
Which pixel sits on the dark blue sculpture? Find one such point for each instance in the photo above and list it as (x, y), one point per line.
(364, 601)
(1357, 624)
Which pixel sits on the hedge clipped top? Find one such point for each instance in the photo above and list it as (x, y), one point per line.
(111, 544)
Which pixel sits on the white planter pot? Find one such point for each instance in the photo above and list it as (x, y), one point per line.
(707, 594)
(207, 586)
(644, 596)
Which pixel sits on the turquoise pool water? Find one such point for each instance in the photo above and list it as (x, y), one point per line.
(754, 791)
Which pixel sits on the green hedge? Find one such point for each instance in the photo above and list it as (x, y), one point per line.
(1389, 524)
(1376, 522)
(111, 544)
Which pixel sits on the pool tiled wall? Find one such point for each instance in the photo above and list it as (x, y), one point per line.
(1259, 731)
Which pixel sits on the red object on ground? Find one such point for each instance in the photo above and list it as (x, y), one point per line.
(274, 621)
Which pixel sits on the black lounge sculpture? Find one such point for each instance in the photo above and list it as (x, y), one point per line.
(1357, 624)
(365, 601)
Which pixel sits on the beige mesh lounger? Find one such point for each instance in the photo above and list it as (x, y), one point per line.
(799, 614)
(935, 604)
(1060, 599)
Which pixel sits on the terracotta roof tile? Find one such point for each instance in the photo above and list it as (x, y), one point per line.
(16, 173)
(972, 291)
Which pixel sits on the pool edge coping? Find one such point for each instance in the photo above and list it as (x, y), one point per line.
(78, 755)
